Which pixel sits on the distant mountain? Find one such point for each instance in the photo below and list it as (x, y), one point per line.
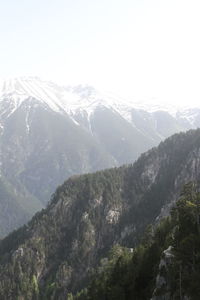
(16, 206)
(49, 133)
(89, 214)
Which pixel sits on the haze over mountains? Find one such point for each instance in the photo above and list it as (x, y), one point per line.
(89, 214)
(49, 133)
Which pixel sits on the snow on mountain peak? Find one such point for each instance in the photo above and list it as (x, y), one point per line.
(58, 98)
(25, 87)
(74, 99)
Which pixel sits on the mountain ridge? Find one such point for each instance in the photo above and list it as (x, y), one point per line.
(89, 214)
(50, 132)
(81, 97)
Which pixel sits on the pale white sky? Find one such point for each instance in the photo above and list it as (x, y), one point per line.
(137, 48)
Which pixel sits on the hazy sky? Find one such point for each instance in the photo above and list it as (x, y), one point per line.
(138, 48)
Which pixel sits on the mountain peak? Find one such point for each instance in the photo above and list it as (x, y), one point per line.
(22, 88)
(81, 98)
(58, 98)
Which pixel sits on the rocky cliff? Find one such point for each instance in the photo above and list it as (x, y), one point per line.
(88, 214)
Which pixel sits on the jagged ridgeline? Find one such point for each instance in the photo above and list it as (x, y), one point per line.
(56, 252)
(94, 131)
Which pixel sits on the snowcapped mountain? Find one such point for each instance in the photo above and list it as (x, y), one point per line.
(58, 98)
(85, 99)
(50, 132)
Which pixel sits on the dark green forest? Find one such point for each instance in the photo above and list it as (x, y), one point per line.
(170, 252)
(114, 234)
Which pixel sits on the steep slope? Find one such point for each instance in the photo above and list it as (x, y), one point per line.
(166, 264)
(89, 214)
(50, 132)
(48, 150)
(16, 206)
(123, 141)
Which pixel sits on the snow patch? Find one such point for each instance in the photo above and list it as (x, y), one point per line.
(86, 99)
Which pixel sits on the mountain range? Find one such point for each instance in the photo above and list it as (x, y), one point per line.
(55, 253)
(50, 132)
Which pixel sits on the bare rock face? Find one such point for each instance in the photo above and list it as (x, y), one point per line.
(49, 133)
(89, 214)
(163, 288)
